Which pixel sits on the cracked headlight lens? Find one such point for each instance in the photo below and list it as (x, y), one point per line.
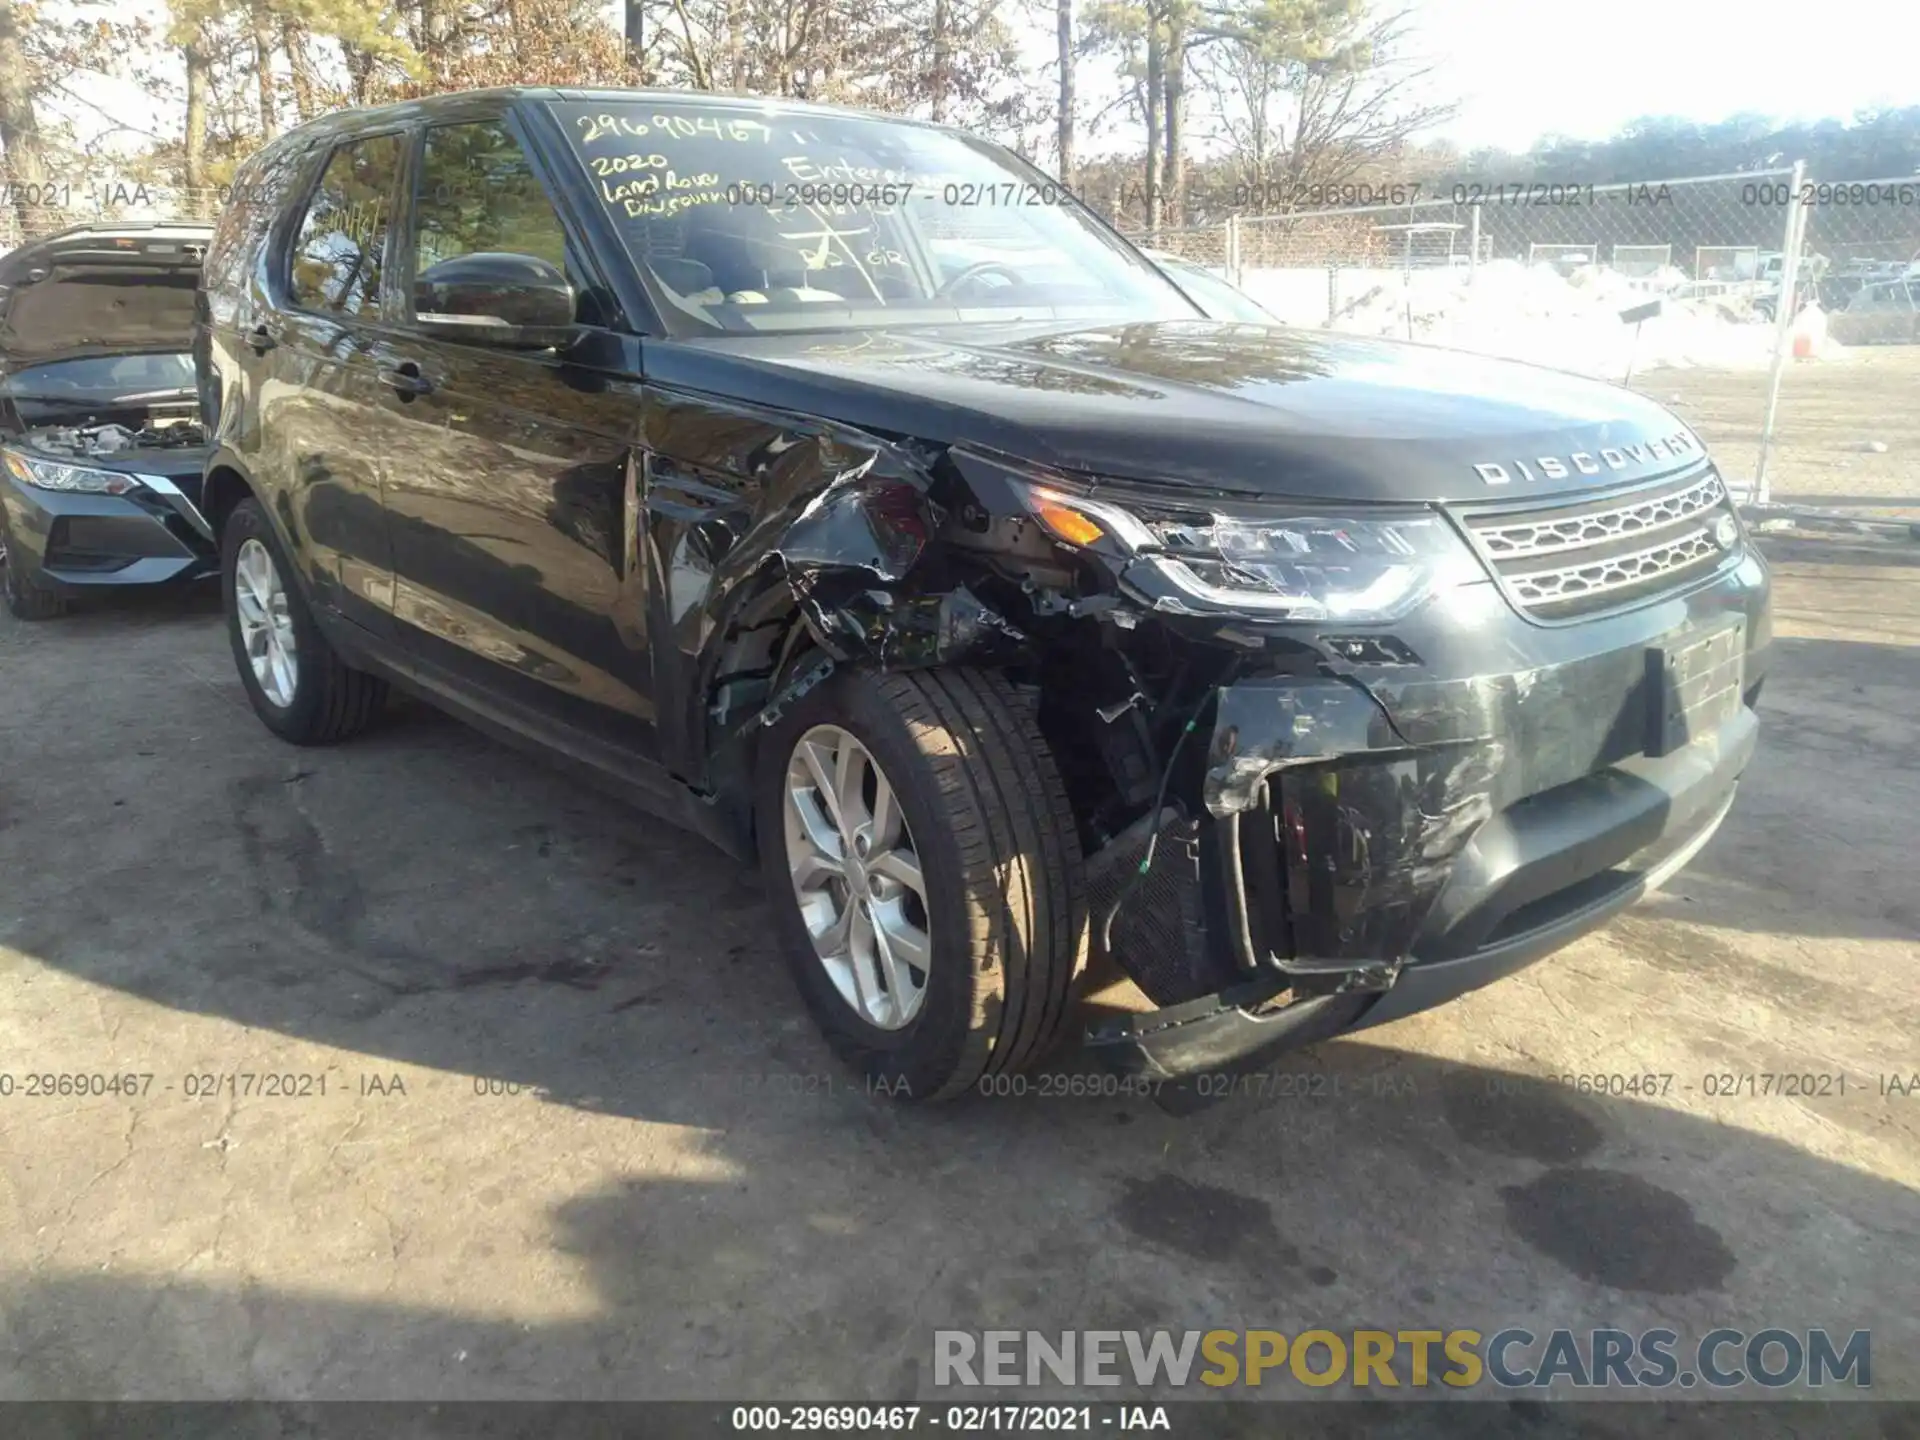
(1284, 564)
(75, 479)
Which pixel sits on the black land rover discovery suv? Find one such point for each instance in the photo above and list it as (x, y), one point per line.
(838, 488)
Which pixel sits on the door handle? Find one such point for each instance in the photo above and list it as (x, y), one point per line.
(261, 339)
(407, 379)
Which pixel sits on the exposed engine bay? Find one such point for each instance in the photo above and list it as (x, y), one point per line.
(95, 442)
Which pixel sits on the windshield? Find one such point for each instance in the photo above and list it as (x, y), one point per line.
(104, 376)
(1221, 300)
(753, 217)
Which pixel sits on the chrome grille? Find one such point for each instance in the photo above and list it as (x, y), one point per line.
(1546, 587)
(1549, 536)
(1566, 560)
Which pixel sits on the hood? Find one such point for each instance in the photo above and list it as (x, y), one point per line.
(100, 292)
(1234, 408)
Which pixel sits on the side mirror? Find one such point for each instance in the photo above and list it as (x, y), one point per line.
(518, 302)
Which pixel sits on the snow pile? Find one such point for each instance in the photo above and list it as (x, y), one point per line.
(1570, 322)
(1664, 281)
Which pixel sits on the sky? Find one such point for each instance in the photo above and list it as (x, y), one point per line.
(1580, 68)
(1585, 68)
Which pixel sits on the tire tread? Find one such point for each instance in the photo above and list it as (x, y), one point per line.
(1012, 932)
(1023, 853)
(346, 700)
(26, 601)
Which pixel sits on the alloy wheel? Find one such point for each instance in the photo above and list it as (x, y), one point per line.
(266, 626)
(856, 877)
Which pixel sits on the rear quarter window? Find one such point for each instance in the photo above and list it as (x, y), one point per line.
(258, 193)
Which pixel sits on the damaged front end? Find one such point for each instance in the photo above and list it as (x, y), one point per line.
(1365, 851)
(1323, 774)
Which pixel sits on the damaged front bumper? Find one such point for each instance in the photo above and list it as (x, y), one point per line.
(1372, 844)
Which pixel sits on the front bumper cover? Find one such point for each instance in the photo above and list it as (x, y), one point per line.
(75, 542)
(1370, 849)
(1240, 1027)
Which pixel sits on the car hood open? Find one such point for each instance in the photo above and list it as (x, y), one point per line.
(82, 294)
(1233, 408)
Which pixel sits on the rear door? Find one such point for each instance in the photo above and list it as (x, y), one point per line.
(325, 425)
(512, 507)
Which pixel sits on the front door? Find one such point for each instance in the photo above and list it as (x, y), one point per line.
(512, 512)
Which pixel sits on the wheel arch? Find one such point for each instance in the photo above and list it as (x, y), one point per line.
(225, 486)
(227, 483)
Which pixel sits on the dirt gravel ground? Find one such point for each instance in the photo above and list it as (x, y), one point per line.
(578, 1140)
(1830, 415)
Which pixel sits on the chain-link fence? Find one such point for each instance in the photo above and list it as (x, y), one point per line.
(1777, 314)
(1207, 245)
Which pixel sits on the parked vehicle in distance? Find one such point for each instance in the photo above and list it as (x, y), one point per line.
(1217, 297)
(748, 457)
(1887, 313)
(1838, 287)
(101, 446)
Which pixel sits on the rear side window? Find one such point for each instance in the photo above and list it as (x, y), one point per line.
(337, 254)
(478, 193)
(255, 197)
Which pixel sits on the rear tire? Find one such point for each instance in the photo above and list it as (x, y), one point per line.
(329, 701)
(988, 825)
(25, 599)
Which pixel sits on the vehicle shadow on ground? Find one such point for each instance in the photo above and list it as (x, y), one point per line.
(111, 609)
(1395, 1191)
(558, 944)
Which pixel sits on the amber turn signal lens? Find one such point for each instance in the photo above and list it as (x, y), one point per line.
(1065, 524)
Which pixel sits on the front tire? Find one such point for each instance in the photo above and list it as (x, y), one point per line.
(924, 871)
(25, 600)
(297, 685)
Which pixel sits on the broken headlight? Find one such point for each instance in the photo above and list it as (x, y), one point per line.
(1286, 563)
(75, 479)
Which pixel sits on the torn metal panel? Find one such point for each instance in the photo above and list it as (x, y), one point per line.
(860, 530)
(777, 502)
(1369, 824)
(860, 522)
(895, 632)
(1262, 726)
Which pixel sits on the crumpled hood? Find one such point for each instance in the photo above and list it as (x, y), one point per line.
(1272, 412)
